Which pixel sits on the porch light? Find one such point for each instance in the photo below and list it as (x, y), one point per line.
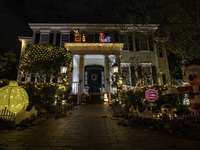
(63, 69)
(115, 68)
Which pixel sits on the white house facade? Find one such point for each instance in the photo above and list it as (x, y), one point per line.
(132, 47)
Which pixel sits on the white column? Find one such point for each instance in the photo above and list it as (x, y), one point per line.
(81, 77)
(107, 73)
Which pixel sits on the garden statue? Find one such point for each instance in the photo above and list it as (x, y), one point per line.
(191, 74)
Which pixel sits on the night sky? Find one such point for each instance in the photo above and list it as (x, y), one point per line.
(16, 14)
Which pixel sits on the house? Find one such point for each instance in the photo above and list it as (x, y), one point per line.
(96, 47)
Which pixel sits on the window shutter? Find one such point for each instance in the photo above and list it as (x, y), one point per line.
(130, 43)
(37, 38)
(154, 74)
(58, 39)
(137, 43)
(151, 43)
(72, 37)
(133, 80)
(139, 71)
(51, 38)
(96, 38)
(116, 37)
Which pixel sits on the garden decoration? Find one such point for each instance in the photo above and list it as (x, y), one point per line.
(13, 97)
(151, 95)
(191, 74)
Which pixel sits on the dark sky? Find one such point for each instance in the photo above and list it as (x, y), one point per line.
(16, 14)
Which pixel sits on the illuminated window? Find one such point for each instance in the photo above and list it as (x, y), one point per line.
(44, 38)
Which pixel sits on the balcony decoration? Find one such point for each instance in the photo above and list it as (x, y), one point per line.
(77, 35)
(13, 97)
(83, 37)
(103, 38)
(151, 94)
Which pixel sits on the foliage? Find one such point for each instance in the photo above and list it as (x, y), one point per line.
(8, 64)
(40, 95)
(45, 59)
(137, 98)
(178, 22)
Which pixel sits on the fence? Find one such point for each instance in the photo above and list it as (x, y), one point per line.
(148, 114)
(5, 114)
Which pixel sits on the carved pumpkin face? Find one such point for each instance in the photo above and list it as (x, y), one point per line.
(192, 75)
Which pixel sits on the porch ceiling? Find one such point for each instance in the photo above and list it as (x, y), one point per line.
(94, 48)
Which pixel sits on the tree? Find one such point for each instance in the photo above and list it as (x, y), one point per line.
(45, 60)
(178, 22)
(8, 65)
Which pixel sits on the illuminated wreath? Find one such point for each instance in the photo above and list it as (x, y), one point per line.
(94, 77)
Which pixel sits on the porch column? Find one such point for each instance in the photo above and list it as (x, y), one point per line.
(118, 61)
(81, 81)
(107, 78)
(107, 73)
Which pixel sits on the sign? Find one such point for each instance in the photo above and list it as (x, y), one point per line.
(151, 95)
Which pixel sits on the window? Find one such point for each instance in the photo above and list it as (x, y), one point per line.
(86, 78)
(44, 38)
(147, 74)
(159, 51)
(127, 40)
(102, 78)
(64, 38)
(144, 42)
(90, 38)
(125, 75)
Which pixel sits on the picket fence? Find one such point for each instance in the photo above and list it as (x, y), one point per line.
(7, 115)
(148, 114)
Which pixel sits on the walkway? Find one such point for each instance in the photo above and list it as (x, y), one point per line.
(89, 127)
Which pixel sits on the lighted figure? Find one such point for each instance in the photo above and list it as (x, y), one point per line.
(107, 39)
(13, 97)
(83, 37)
(102, 37)
(105, 97)
(191, 74)
(77, 35)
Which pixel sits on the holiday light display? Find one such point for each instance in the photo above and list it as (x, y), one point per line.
(13, 97)
(103, 38)
(45, 59)
(151, 95)
(77, 35)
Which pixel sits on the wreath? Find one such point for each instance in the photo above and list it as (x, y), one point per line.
(94, 77)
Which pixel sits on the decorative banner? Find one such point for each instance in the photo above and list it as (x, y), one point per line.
(103, 38)
(77, 35)
(151, 95)
(94, 77)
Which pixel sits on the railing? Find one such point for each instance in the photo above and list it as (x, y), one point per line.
(75, 87)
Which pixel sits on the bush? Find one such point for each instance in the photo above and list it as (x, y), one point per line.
(40, 95)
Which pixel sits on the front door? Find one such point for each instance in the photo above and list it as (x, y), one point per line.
(94, 78)
(94, 81)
